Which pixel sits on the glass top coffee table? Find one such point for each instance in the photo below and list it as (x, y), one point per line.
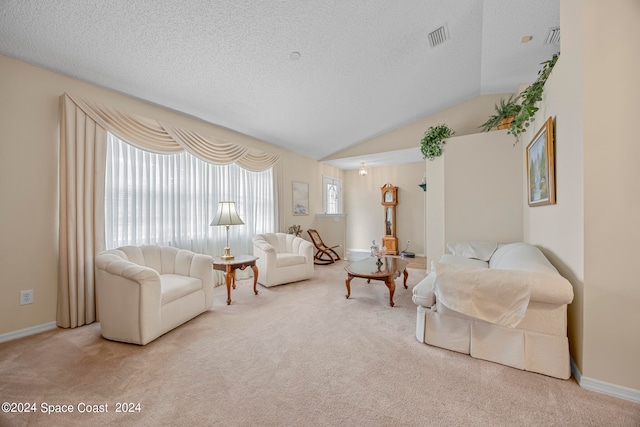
(386, 269)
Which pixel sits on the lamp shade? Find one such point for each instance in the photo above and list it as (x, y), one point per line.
(227, 215)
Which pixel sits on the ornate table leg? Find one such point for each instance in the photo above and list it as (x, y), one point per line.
(348, 285)
(405, 278)
(392, 288)
(255, 278)
(229, 276)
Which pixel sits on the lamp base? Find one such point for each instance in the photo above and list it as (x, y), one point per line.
(227, 254)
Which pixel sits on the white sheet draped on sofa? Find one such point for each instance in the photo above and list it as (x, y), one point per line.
(83, 139)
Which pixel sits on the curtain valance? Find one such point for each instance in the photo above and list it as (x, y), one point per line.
(151, 135)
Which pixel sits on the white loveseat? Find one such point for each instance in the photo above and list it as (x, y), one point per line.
(511, 309)
(282, 258)
(146, 291)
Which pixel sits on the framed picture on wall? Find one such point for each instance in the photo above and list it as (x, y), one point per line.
(300, 198)
(541, 183)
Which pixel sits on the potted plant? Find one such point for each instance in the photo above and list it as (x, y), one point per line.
(505, 113)
(434, 139)
(296, 230)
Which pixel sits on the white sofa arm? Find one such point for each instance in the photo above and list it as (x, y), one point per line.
(306, 248)
(423, 294)
(191, 264)
(267, 260)
(551, 288)
(202, 268)
(129, 298)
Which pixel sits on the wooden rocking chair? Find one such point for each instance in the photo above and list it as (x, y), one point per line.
(324, 254)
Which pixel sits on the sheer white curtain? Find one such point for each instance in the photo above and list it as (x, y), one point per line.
(170, 199)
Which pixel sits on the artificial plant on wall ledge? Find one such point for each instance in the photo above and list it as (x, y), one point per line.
(529, 98)
(505, 112)
(433, 140)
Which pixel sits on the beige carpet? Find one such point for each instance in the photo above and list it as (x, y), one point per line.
(294, 355)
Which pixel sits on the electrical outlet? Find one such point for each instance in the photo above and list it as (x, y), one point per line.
(26, 297)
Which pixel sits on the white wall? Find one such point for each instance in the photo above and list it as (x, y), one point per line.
(611, 204)
(591, 234)
(475, 192)
(559, 229)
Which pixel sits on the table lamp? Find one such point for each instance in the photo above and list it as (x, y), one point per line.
(227, 215)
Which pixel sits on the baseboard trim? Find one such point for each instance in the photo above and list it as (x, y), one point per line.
(604, 387)
(28, 331)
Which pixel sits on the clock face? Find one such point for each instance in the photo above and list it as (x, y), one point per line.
(388, 196)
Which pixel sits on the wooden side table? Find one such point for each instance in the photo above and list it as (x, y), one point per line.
(229, 267)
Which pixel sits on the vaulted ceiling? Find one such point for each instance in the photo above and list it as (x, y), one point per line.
(311, 76)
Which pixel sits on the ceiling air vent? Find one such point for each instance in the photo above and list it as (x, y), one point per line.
(438, 36)
(554, 36)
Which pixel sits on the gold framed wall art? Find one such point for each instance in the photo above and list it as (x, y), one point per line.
(541, 182)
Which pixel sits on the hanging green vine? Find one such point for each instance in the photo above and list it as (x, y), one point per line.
(433, 140)
(530, 97)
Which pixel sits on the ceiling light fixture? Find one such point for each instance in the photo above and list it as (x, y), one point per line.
(294, 56)
(363, 169)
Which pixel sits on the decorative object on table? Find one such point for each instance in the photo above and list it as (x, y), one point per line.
(378, 252)
(300, 198)
(529, 97)
(363, 170)
(433, 140)
(324, 254)
(227, 215)
(296, 230)
(374, 248)
(541, 167)
(389, 201)
(423, 184)
(505, 113)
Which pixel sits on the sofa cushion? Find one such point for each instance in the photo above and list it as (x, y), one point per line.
(287, 259)
(521, 256)
(474, 250)
(460, 260)
(174, 286)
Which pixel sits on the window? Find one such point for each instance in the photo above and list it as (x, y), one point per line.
(331, 195)
(170, 199)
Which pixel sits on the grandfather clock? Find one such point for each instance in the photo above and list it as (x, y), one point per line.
(389, 201)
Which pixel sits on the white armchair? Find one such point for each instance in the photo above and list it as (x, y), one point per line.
(282, 258)
(144, 292)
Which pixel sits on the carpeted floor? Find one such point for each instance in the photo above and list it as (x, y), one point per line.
(294, 355)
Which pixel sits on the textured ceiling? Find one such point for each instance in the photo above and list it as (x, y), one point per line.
(365, 66)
